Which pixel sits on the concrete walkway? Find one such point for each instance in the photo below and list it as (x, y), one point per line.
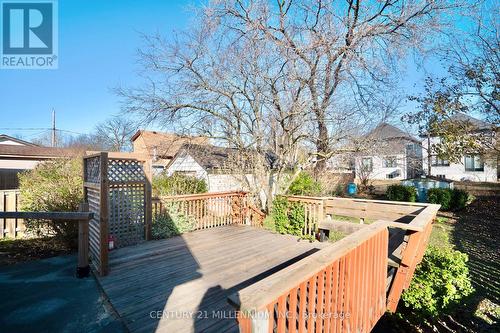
(45, 296)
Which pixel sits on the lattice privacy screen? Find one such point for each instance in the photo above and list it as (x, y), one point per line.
(126, 201)
(115, 189)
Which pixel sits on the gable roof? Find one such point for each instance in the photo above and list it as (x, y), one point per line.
(385, 131)
(209, 157)
(5, 137)
(477, 124)
(165, 144)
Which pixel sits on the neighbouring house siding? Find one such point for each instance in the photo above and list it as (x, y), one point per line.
(216, 182)
(456, 171)
(221, 183)
(25, 164)
(10, 142)
(185, 163)
(379, 171)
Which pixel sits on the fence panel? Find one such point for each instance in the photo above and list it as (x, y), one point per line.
(210, 210)
(9, 202)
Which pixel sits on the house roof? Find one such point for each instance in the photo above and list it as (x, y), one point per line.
(5, 137)
(209, 157)
(166, 144)
(477, 124)
(385, 131)
(37, 152)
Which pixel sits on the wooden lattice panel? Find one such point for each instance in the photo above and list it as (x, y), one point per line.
(126, 223)
(125, 170)
(94, 230)
(92, 168)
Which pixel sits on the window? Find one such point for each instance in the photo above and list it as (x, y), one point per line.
(390, 162)
(367, 164)
(474, 163)
(436, 161)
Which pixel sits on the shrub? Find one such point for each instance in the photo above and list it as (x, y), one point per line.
(279, 212)
(171, 223)
(178, 184)
(441, 281)
(440, 196)
(288, 217)
(55, 185)
(449, 199)
(401, 193)
(304, 184)
(460, 199)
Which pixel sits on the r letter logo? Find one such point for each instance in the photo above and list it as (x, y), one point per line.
(29, 34)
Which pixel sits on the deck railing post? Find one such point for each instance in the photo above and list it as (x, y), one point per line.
(83, 268)
(259, 322)
(104, 213)
(148, 208)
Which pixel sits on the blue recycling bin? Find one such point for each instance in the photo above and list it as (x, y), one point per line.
(351, 189)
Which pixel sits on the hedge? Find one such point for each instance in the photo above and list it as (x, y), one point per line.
(401, 193)
(449, 199)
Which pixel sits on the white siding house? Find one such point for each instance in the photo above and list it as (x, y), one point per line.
(389, 153)
(473, 167)
(17, 156)
(211, 164)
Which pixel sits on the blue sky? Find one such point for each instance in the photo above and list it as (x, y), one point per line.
(98, 41)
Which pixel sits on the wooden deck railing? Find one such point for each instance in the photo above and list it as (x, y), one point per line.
(211, 209)
(338, 289)
(82, 217)
(347, 286)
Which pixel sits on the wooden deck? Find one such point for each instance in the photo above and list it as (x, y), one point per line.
(186, 280)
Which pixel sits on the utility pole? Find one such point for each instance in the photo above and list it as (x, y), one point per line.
(53, 128)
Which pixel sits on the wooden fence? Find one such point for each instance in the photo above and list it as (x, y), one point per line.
(348, 286)
(10, 227)
(210, 210)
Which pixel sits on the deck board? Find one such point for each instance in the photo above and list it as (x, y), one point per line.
(194, 274)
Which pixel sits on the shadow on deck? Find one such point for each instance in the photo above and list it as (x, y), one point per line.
(181, 284)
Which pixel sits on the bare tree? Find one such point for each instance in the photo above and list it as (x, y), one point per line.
(281, 77)
(338, 51)
(115, 133)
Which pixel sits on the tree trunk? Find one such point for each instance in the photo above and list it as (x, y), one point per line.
(429, 162)
(322, 147)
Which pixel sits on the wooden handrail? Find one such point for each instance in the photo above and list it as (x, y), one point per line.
(82, 217)
(54, 216)
(198, 196)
